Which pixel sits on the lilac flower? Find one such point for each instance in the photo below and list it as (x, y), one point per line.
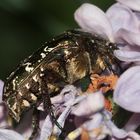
(127, 95)
(67, 98)
(127, 91)
(117, 133)
(120, 24)
(92, 19)
(120, 29)
(132, 4)
(6, 134)
(94, 126)
(126, 28)
(98, 123)
(47, 129)
(89, 105)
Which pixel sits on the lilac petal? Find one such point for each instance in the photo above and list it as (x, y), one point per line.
(1, 89)
(69, 93)
(79, 99)
(117, 133)
(128, 56)
(127, 91)
(94, 122)
(46, 129)
(121, 16)
(133, 122)
(61, 120)
(91, 104)
(133, 4)
(133, 136)
(3, 114)
(6, 134)
(137, 14)
(120, 133)
(105, 132)
(132, 38)
(57, 99)
(92, 19)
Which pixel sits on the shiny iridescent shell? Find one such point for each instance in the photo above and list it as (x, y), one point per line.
(65, 59)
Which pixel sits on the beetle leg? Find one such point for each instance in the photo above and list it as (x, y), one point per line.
(109, 66)
(47, 102)
(35, 123)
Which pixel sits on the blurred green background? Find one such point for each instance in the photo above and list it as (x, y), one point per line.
(26, 24)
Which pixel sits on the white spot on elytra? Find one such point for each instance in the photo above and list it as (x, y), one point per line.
(50, 49)
(26, 103)
(46, 49)
(11, 74)
(27, 86)
(33, 97)
(92, 41)
(39, 61)
(67, 52)
(14, 84)
(43, 55)
(41, 75)
(39, 89)
(14, 106)
(28, 67)
(20, 93)
(35, 78)
(42, 69)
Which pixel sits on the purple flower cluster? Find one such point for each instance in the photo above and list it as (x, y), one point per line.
(121, 25)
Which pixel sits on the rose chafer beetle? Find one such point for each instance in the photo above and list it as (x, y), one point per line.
(65, 59)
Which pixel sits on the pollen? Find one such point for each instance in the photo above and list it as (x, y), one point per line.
(84, 135)
(74, 134)
(103, 83)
